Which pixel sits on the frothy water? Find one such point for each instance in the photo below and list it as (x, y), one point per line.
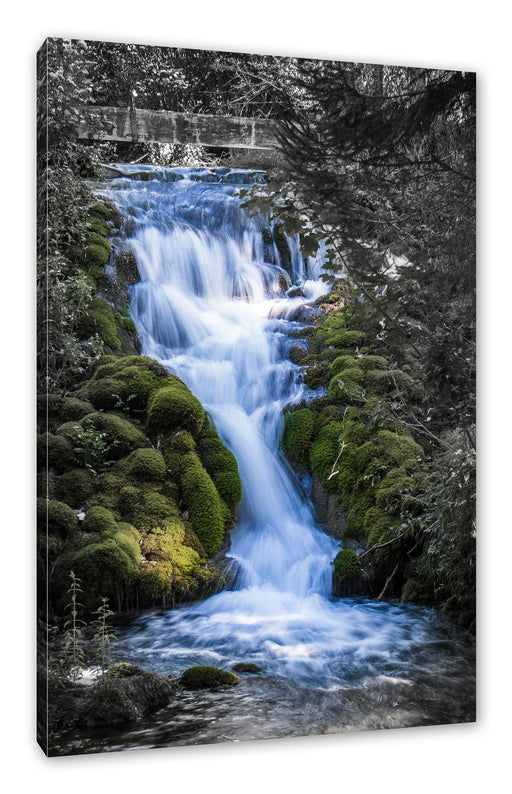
(211, 305)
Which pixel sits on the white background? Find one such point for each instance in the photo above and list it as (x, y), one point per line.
(456, 35)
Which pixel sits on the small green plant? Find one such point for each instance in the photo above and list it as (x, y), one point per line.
(92, 450)
(74, 653)
(104, 638)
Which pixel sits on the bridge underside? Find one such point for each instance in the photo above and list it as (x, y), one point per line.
(162, 126)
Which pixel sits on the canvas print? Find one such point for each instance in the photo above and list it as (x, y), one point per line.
(256, 397)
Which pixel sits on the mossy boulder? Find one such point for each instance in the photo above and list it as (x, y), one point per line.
(148, 508)
(172, 408)
(206, 510)
(99, 319)
(56, 518)
(346, 386)
(74, 409)
(205, 677)
(346, 564)
(246, 667)
(298, 431)
(76, 487)
(119, 433)
(147, 465)
(103, 565)
(100, 521)
(55, 451)
(323, 453)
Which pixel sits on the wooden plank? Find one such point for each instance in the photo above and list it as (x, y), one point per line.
(162, 126)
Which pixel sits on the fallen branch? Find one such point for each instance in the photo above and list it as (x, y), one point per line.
(381, 545)
(381, 596)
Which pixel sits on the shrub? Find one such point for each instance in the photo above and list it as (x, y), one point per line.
(205, 677)
(172, 408)
(298, 431)
(346, 564)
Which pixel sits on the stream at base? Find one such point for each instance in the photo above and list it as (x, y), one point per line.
(215, 305)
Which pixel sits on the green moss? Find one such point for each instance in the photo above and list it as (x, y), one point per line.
(361, 503)
(246, 667)
(378, 526)
(205, 677)
(391, 490)
(103, 566)
(205, 508)
(139, 383)
(76, 487)
(95, 224)
(316, 376)
(151, 509)
(229, 487)
(344, 387)
(298, 432)
(105, 212)
(56, 517)
(106, 393)
(147, 465)
(174, 407)
(334, 333)
(74, 409)
(370, 362)
(414, 590)
(324, 451)
(155, 580)
(99, 319)
(340, 363)
(377, 382)
(100, 521)
(119, 433)
(54, 450)
(106, 370)
(401, 449)
(346, 564)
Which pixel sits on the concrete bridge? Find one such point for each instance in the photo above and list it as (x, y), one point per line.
(163, 126)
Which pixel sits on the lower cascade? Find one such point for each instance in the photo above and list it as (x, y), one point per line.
(212, 306)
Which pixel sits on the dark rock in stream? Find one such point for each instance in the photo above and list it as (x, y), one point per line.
(118, 697)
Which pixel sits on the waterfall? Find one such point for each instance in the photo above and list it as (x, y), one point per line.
(212, 306)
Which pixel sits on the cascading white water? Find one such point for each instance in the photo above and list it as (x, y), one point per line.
(210, 306)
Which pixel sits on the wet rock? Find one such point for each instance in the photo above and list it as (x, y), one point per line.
(205, 677)
(247, 667)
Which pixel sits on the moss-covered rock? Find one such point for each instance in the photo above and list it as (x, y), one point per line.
(346, 386)
(56, 518)
(147, 465)
(172, 408)
(346, 565)
(102, 566)
(106, 394)
(99, 319)
(205, 677)
(53, 451)
(205, 508)
(99, 521)
(119, 433)
(246, 667)
(74, 409)
(76, 487)
(150, 509)
(323, 453)
(298, 431)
